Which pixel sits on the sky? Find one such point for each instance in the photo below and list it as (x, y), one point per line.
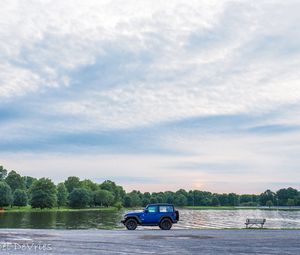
(154, 95)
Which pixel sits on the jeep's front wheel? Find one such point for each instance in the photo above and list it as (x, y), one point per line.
(131, 224)
(165, 224)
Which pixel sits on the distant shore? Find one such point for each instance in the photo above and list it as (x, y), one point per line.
(295, 208)
(55, 209)
(69, 209)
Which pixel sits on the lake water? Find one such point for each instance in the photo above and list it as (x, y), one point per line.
(214, 219)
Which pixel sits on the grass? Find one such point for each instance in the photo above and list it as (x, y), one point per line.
(55, 209)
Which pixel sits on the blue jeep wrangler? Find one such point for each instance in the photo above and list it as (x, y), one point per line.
(162, 215)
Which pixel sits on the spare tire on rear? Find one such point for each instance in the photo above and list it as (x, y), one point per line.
(177, 215)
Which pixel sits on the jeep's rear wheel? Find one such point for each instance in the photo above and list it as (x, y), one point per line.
(131, 224)
(165, 224)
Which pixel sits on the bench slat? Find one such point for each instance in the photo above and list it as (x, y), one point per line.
(252, 222)
(255, 221)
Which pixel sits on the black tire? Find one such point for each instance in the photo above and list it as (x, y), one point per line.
(131, 224)
(165, 224)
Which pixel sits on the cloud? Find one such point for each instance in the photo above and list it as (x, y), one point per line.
(218, 64)
(200, 82)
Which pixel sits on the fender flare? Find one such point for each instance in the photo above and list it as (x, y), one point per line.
(135, 218)
(165, 217)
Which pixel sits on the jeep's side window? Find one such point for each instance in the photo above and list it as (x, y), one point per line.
(166, 208)
(151, 209)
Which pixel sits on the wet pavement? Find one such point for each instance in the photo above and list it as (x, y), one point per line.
(30, 241)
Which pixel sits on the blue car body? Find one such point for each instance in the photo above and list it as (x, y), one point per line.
(153, 215)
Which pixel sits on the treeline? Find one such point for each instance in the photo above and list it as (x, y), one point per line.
(17, 190)
(283, 197)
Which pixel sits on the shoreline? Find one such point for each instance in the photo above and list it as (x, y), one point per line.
(55, 209)
(241, 208)
(68, 209)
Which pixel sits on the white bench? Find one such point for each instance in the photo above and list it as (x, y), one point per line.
(255, 222)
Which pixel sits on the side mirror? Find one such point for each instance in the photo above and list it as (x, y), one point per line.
(146, 211)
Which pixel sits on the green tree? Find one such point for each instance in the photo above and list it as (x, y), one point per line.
(43, 194)
(292, 193)
(153, 200)
(190, 198)
(202, 198)
(103, 198)
(15, 181)
(3, 173)
(127, 201)
(233, 199)
(290, 202)
(88, 184)
(145, 201)
(28, 180)
(169, 195)
(181, 191)
(5, 194)
(284, 195)
(62, 195)
(80, 198)
(223, 198)
(160, 198)
(119, 193)
(72, 182)
(269, 203)
(246, 199)
(268, 195)
(180, 200)
(108, 185)
(297, 201)
(135, 199)
(20, 198)
(215, 201)
(116, 190)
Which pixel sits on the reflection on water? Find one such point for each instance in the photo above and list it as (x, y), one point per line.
(237, 218)
(61, 220)
(109, 220)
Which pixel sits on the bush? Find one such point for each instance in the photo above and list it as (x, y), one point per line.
(119, 205)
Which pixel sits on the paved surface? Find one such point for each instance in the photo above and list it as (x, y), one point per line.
(16, 241)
